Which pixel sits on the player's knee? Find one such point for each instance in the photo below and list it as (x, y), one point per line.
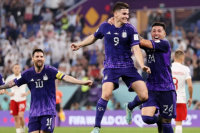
(106, 96)
(144, 98)
(148, 119)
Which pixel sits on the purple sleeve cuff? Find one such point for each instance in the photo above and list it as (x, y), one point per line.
(153, 44)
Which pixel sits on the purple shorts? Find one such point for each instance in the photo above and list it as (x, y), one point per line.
(128, 75)
(45, 123)
(165, 102)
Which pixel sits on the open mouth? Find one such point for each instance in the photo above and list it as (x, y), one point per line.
(156, 37)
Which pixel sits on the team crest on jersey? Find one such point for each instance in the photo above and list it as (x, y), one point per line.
(124, 34)
(45, 77)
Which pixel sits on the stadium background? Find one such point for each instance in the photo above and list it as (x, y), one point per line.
(53, 24)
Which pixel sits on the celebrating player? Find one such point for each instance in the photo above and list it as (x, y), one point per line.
(41, 82)
(17, 100)
(120, 38)
(160, 84)
(181, 73)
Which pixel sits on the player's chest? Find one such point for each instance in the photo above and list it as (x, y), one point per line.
(116, 36)
(39, 81)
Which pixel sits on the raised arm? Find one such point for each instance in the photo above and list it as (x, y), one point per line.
(73, 80)
(145, 43)
(139, 58)
(8, 85)
(88, 41)
(190, 89)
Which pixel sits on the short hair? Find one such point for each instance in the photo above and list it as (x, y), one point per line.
(120, 5)
(37, 50)
(159, 24)
(178, 54)
(16, 64)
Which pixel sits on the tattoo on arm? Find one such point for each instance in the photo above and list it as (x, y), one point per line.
(7, 85)
(140, 38)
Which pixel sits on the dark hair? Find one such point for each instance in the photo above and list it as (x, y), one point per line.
(120, 5)
(37, 50)
(159, 24)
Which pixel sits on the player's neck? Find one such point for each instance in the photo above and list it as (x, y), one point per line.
(38, 69)
(118, 24)
(176, 61)
(16, 75)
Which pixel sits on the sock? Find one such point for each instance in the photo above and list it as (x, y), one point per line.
(18, 130)
(22, 129)
(135, 103)
(150, 119)
(178, 129)
(167, 128)
(100, 110)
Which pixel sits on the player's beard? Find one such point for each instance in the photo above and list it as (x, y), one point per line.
(39, 64)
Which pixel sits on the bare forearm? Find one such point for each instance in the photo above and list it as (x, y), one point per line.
(72, 80)
(146, 43)
(88, 41)
(138, 55)
(7, 85)
(190, 87)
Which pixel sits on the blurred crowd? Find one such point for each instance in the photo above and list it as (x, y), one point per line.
(29, 24)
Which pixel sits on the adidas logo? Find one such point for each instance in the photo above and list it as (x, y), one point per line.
(49, 127)
(32, 80)
(108, 32)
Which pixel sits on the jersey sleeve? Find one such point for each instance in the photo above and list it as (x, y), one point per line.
(99, 32)
(56, 73)
(21, 80)
(160, 45)
(2, 80)
(134, 38)
(187, 75)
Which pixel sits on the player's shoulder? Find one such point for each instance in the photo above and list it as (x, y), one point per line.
(105, 24)
(27, 71)
(10, 76)
(48, 67)
(128, 25)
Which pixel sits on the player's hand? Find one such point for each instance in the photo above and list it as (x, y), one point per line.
(189, 102)
(74, 46)
(11, 94)
(2, 92)
(111, 21)
(88, 82)
(146, 69)
(23, 95)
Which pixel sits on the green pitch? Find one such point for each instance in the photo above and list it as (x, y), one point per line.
(103, 130)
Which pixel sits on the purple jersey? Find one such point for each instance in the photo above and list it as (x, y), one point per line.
(1, 80)
(118, 43)
(42, 87)
(158, 59)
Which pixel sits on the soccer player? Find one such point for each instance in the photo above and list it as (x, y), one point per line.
(1, 83)
(41, 81)
(161, 90)
(17, 100)
(181, 73)
(120, 39)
